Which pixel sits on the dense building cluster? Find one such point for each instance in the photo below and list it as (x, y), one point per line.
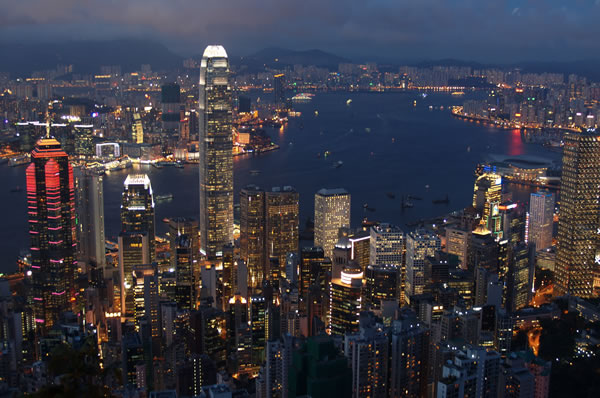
(225, 309)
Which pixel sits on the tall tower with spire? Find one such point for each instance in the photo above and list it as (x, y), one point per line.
(216, 157)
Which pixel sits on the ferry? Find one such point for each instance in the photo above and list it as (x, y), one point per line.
(303, 97)
(458, 93)
(19, 160)
(164, 198)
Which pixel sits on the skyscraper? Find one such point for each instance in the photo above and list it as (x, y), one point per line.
(345, 301)
(171, 102)
(51, 210)
(419, 245)
(137, 208)
(279, 90)
(577, 256)
(268, 229)
(216, 152)
(282, 219)
(184, 271)
(487, 196)
(332, 212)
(137, 130)
(84, 140)
(541, 217)
(388, 247)
(252, 233)
(90, 217)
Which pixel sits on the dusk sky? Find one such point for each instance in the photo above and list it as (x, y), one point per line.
(480, 30)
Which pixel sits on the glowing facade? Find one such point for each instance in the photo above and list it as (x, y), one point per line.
(51, 211)
(487, 197)
(576, 256)
(332, 212)
(216, 157)
(345, 301)
(541, 219)
(137, 208)
(420, 244)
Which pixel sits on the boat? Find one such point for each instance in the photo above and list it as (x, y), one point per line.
(254, 172)
(390, 195)
(19, 160)
(303, 97)
(338, 164)
(164, 198)
(446, 200)
(348, 102)
(179, 165)
(166, 220)
(406, 204)
(157, 165)
(366, 207)
(413, 197)
(458, 93)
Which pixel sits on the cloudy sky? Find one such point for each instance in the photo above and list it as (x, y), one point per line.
(481, 30)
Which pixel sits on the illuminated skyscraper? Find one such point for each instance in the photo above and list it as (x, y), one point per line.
(134, 250)
(541, 218)
(382, 284)
(137, 208)
(252, 233)
(345, 301)
(216, 152)
(420, 244)
(137, 130)
(51, 210)
(282, 219)
(388, 247)
(577, 255)
(279, 90)
(487, 196)
(268, 229)
(184, 271)
(84, 146)
(332, 212)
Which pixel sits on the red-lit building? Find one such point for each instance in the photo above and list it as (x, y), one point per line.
(51, 213)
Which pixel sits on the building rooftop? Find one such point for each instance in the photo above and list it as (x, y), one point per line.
(332, 191)
(214, 51)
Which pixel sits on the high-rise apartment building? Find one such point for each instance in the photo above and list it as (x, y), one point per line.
(51, 213)
(577, 251)
(332, 212)
(216, 152)
(541, 218)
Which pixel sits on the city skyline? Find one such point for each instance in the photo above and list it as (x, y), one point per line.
(299, 229)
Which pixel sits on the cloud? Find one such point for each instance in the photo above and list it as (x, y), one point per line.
(477, 29)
